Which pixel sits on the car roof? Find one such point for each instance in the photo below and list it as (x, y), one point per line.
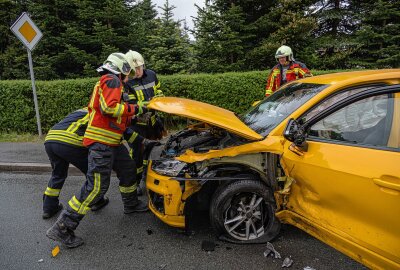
(354, 76)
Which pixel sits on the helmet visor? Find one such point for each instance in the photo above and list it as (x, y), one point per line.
(126, 68)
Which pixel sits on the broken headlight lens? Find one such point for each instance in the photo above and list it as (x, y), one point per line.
(168, 167)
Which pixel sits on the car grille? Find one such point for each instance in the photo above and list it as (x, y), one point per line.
(157, 201)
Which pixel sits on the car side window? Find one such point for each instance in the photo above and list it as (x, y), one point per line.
(365, 122)
(333, 99)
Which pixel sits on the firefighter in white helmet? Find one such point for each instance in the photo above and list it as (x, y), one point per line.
(141, 89)
(109, 117)
(285, 71)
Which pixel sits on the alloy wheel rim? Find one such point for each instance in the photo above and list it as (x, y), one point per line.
(246, 216)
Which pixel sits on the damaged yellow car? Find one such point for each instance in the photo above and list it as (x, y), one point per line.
(322, 154)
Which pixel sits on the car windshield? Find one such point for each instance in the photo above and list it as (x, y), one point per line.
(275, 108)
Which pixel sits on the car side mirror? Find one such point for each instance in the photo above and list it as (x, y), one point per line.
(294, 132)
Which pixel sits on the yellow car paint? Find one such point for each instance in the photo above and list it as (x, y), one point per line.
(199, 111)
(336, 239)
(274, 145)
(173, 213)
(334, 193)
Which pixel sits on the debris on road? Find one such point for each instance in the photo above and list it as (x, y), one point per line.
(41, 260)
(55, 251)
(207, 245)
(308, 268)
(271, 250)
(149, 231)
(130, 244)
(163, 266)
(287, 262)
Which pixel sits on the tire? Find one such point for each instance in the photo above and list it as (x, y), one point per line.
(244, 212)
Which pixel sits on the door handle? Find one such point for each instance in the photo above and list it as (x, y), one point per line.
(388, 182)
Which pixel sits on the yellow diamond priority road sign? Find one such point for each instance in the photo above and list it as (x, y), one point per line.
(26, 30)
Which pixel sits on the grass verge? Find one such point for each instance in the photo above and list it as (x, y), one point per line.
(17, 137)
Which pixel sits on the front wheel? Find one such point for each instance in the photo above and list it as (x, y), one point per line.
(244, 212)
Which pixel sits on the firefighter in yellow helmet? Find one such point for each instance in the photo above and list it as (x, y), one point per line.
(285, 71)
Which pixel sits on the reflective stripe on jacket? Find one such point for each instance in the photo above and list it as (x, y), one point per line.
(144, 88)
(109, 115)
(295, 71)
(70, 130)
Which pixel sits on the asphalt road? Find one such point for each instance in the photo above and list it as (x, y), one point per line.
(139, 241)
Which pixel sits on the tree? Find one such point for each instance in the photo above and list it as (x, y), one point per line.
(78, 35)
(286, 23)
(335, 33)
(379, 35)
(13, 56)
(143, 23)
(243, 35)
(168, 50)
(219, 38)
(208, 26)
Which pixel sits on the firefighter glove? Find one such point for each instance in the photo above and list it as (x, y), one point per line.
(159, 93)
(141, 107)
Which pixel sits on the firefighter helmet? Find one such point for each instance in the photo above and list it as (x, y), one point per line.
(284, 51)
(116, 63)
(135, 59)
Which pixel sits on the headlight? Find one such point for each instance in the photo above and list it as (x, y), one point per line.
(168, 167)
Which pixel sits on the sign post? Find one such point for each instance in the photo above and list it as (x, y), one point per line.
(29, 34)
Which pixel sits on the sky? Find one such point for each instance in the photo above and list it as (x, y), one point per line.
(184, 9)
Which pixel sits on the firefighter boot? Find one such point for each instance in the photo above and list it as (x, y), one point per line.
(48, 214)
(132, 204)
(100, 204)
(63, 231)
(140, 206)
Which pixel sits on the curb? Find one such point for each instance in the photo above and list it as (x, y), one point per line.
(33, 167)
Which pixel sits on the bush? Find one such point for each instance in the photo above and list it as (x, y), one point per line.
(56, 99)
(233, 91)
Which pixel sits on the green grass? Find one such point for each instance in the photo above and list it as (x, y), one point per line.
(24, 137)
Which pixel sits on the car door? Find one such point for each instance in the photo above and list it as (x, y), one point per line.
(348, 180)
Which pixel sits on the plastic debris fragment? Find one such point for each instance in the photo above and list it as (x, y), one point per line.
(308, 268)
(41, 260)
(287, 262)
(271, 250)
(55, 251)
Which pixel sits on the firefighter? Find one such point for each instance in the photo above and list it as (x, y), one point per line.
(63, 145)
(149, 127)
(109, 117)
(285, 71)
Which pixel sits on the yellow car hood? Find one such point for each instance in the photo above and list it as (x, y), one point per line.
(204, 112)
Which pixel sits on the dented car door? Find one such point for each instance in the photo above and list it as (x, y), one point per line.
(346, 188)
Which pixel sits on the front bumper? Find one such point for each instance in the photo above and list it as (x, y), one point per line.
(165, 198)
